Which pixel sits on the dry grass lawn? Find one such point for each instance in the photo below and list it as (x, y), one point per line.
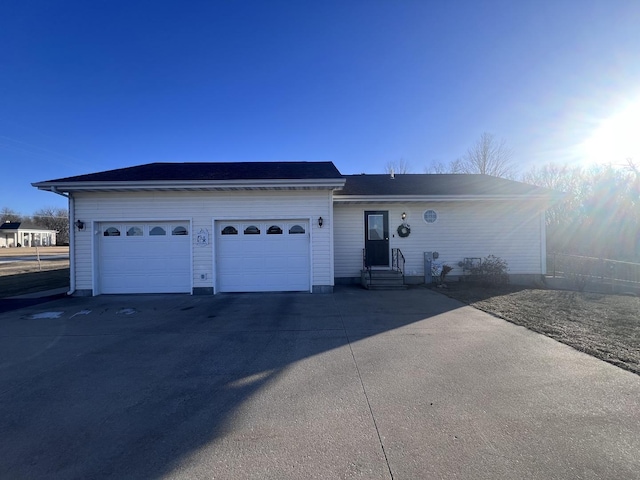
(605, 326)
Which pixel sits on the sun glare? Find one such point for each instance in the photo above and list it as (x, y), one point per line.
(616, 139)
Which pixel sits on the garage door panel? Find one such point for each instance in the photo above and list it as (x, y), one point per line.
(298, 279)
(172, 264)
(144, 263)
(275, 264)
(264, 262)
(250, 265)
(175, 281)
(295, 260)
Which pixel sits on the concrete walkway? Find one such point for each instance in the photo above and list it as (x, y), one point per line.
(357, 384)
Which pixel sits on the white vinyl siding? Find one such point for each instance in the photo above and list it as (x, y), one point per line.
(203, 209)
(510, 230)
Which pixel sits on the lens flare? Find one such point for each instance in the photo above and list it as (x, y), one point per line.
(616, 139)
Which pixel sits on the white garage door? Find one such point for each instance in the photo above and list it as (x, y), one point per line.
(144, 257)
(263, 256)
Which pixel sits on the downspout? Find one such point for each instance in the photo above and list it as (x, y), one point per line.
(72, 241)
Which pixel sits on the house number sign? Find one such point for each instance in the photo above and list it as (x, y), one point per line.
(202, 238)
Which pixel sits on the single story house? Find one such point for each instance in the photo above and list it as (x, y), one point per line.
(205, 228)
(25, 234)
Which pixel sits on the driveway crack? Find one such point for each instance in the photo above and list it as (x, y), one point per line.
(364, 391)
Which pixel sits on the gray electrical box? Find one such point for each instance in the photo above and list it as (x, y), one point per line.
(428, 260)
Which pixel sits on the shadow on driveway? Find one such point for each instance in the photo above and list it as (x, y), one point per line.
(256, 386)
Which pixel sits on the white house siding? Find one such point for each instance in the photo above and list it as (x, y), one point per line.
(203, 209)
(510, 230)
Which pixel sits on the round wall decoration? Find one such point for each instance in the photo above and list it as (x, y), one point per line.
(430, 216)
(404, 231)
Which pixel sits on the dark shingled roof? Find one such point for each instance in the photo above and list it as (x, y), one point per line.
(212, 171)
(10, 226)
(436, 184)
(21, 225)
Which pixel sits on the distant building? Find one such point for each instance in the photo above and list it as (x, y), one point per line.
(25, 234)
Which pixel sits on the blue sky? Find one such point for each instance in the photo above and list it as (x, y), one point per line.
(91, 86)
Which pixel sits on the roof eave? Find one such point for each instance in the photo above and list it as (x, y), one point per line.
(337, 198)
(213, 185)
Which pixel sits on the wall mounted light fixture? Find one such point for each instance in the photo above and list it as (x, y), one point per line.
(404, 216)
(80, 224)
(320, 222)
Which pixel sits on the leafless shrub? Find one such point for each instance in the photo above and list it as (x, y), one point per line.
(491, 271)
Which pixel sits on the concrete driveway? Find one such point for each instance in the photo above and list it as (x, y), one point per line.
(358, 384)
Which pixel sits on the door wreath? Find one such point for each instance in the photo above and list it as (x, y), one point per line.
(404, 231)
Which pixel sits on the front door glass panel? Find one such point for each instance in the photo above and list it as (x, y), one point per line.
(376, 227)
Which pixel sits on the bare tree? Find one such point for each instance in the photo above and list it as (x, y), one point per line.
(599, 214)
(452, 167)
(569, 180)
(397, 166)
(489, 156)
(54, 218)
(9, 215)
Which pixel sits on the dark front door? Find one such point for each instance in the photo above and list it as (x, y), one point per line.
(376, 238)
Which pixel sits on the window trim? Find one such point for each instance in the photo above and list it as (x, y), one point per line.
(293, 225)
(236, 231)
(244, 230)
(137, 227)
(112, 227)
(176, 227)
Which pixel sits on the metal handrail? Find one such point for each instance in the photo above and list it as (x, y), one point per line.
(365, 265)
(396, 257)
(397, 262)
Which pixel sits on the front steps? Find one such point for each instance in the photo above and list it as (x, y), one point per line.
(382, 280)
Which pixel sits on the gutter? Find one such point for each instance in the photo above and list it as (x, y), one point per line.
(206, 185)
(72, 240)
(338, 198)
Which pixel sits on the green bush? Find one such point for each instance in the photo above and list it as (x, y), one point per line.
(491, 271)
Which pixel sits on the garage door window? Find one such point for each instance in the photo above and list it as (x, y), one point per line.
(157, 231)
(274, 230)
(229, 230)
(111, 232)
(296, 229)
(134, 232)
(179, 230)
(252, 230)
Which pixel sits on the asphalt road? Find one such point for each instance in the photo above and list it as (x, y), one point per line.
(357, 384)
